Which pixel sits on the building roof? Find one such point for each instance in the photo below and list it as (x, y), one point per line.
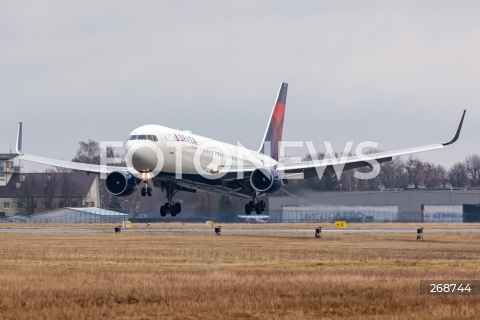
(80, 179)
(98, 211)
(7, 156)
(71, 211)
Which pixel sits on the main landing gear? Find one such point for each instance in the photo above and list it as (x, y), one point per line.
(170, 206)
(146, 190)
(258, 206)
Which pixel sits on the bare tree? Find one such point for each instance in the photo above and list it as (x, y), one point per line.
(433, 175)
(88, 152)
(70, 192)
(50, 188)
(413, 170)
(472, 167)
(30, 192)
(458, 175)
(392, 173)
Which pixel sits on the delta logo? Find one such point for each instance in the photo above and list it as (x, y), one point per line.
(181, 137)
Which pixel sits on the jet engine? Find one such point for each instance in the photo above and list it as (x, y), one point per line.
(265, 180)
(120, 183)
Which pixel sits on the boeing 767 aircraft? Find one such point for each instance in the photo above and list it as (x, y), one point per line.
(175, 160)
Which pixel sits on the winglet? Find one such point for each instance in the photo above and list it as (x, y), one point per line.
(457, 134)
(19, 139)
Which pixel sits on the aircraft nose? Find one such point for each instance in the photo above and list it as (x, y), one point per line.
(144, 159)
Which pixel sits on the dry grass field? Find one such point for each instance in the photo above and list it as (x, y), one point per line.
(234, 276)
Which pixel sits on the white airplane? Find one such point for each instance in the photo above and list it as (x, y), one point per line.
(175, 160)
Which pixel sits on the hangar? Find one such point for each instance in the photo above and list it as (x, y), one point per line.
(427, 205)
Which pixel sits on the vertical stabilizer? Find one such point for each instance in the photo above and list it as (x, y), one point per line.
(274, 131)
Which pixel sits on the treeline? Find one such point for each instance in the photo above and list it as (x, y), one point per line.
(400, 173)
(46, 191)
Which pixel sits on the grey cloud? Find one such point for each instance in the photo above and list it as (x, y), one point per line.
(399, 74)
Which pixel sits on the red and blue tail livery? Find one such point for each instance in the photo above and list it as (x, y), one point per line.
(273, 134)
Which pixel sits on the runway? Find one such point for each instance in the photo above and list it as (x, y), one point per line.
(226, 230)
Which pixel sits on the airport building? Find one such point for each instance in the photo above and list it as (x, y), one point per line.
(18, 190)
(378, 206)
(79, 215)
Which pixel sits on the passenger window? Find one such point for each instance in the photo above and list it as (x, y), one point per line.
(155, 138)
(133, 137)
(142, 137)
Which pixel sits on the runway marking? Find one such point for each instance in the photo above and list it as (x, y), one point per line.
(233, 230)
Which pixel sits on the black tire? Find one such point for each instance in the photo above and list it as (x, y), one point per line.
(248, 208)
(149, 191)
(143, 192)
(258, 208)
(173, 211)
(178, 207)
(163, 211)
(251, 205)
(263, 204)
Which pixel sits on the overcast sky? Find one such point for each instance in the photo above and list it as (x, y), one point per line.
(398, 74)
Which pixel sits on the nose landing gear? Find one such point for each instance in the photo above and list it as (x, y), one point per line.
(146, 190)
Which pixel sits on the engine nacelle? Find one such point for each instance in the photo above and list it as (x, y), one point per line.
(120, 183)
(265, 180)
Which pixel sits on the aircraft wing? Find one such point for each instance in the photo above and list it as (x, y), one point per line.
(310, 169)
(91, 168)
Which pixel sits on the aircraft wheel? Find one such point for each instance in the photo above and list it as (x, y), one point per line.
(149, 191)
(143, 192)
(263, 204)
(248, 208)
(258, 208)
(173, 211)
(178, 207)
(163, 211)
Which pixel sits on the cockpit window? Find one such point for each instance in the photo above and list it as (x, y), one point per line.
(150, 137)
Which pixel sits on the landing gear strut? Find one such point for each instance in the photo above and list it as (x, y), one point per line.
(255, 205)
(146, 190)
(170, 206)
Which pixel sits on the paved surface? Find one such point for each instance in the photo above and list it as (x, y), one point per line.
(235, 230)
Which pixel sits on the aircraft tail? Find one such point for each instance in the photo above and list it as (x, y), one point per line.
(274, 131)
